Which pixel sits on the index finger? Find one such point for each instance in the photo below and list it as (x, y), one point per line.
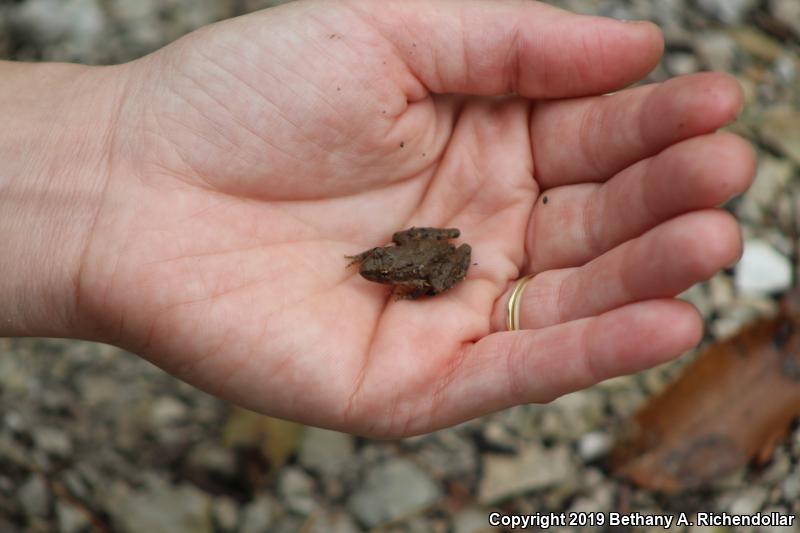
(511, 46)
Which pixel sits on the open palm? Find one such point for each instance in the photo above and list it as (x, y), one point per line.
(252, 156)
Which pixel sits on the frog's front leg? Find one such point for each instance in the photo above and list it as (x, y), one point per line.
(411, 289)
(418, 234)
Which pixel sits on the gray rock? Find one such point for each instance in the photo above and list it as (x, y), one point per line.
(213, 459)
(791, 486)
(449, 455)
(14, 421)
(772, 179)
(53, 441)
(697, 295)
(472, 520)
(717, 50)
(226, 513)
(34, 496)
(727, 11)
(720, 289)
(160, 507)
(71, 519)
(49, 21)
(498, 435)
(572, 415)
(533, 468)
(785, 68)
(778, 528)
(762, 270)
(600, 500)
(416, 524)
(336, 521)
(258, 515)
(167, 411)
(393, 490)
(325, 452)
(680, 64)
(787, 11)
(780, 129)
(296, 490)
(742, 311)
(749, 501)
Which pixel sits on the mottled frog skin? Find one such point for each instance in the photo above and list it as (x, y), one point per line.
(421, 263)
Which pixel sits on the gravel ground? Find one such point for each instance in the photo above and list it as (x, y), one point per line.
(95, 439)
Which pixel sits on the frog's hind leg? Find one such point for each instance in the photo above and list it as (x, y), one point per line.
(358, 258)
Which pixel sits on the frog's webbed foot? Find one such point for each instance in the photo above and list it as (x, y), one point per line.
(416, 234)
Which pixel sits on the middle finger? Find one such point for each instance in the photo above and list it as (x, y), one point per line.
(580, 222)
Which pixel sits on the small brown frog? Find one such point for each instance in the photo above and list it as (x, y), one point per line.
(423, 262)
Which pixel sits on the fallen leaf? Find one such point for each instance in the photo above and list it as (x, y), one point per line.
(731, 405)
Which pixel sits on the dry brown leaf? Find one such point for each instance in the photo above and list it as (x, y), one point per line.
(729, 406)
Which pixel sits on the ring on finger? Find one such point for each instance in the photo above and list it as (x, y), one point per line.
(512, 317)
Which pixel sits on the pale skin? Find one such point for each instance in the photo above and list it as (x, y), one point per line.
(196, 206)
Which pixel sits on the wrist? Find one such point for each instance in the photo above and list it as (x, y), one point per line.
(55, 161)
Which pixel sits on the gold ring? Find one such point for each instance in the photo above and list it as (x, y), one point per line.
(512, 318)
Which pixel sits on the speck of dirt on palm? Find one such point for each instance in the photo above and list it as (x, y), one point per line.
(544, 199)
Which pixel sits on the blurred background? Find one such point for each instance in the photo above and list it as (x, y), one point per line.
(95, 439)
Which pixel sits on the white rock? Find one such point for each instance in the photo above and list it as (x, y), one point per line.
(594, 445)
(762, 270)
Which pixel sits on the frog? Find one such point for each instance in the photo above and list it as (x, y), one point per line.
(422, 262)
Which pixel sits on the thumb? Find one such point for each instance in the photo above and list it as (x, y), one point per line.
(516, 46)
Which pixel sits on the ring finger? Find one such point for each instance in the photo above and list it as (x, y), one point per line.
(659, 264)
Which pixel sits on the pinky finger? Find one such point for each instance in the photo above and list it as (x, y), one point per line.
(537, 366)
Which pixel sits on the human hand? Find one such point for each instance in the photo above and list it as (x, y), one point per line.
(251, 156)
